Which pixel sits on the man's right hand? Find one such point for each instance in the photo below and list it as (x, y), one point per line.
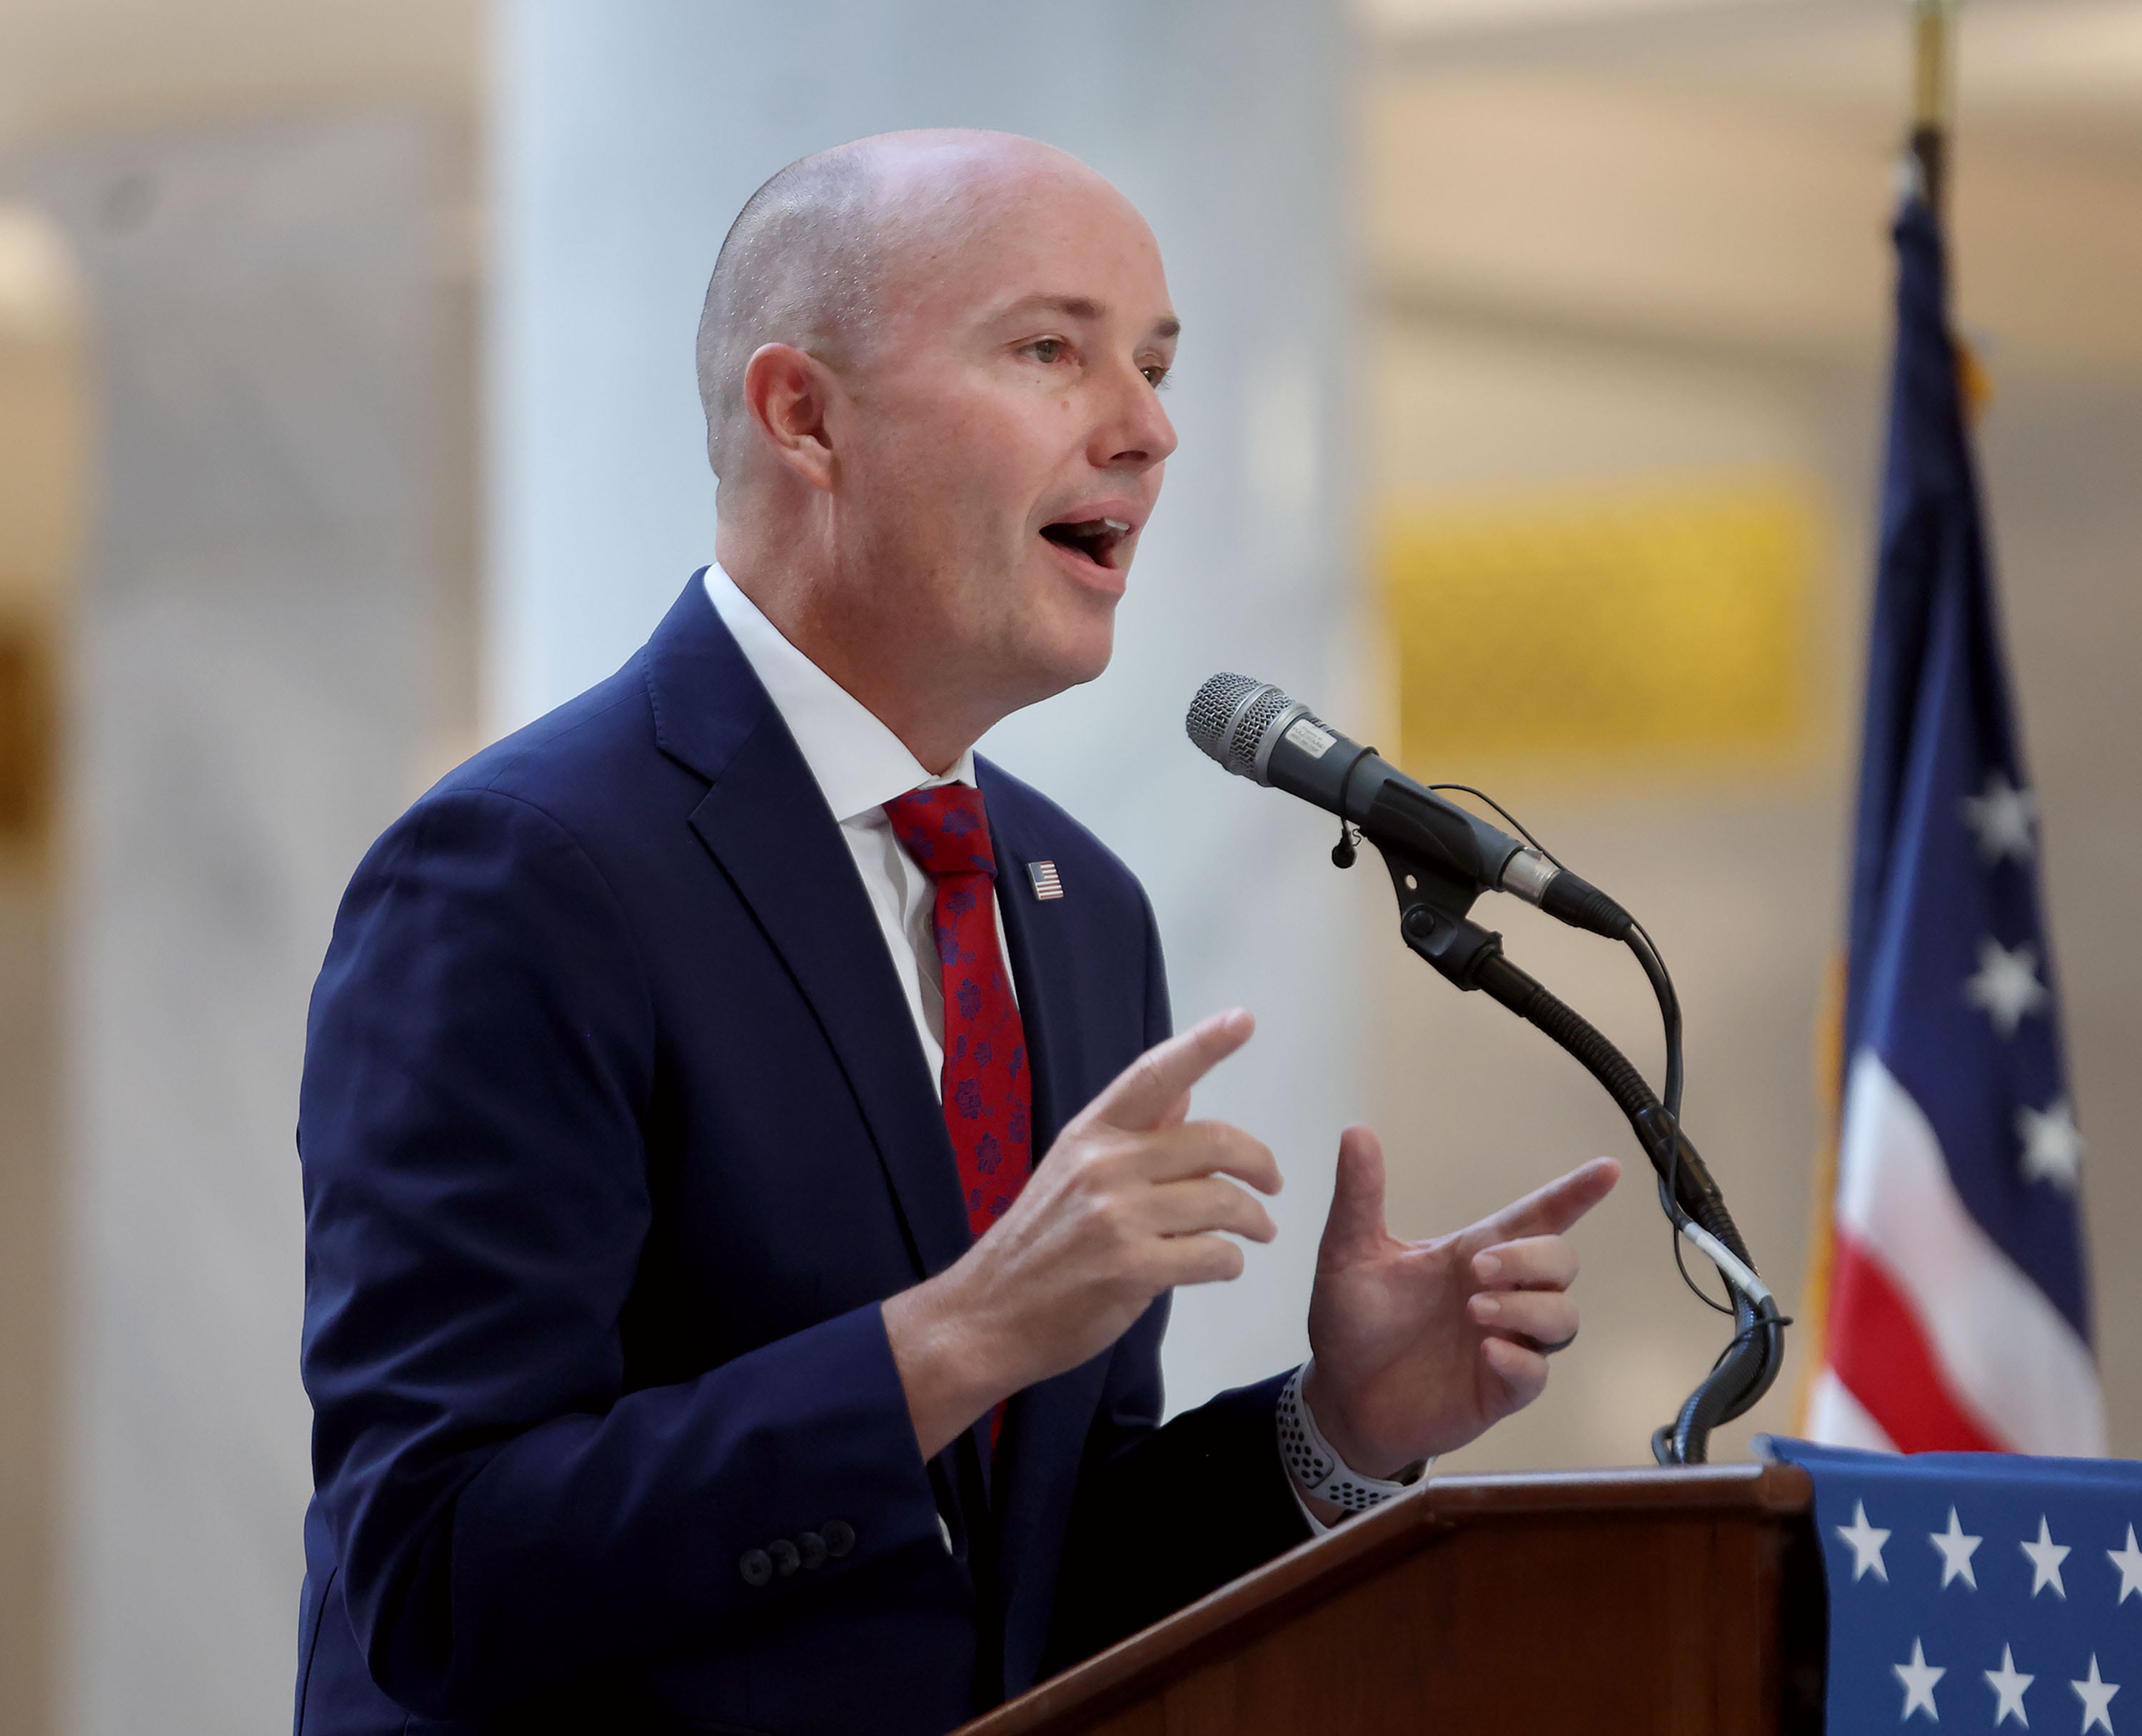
(1128, 1202)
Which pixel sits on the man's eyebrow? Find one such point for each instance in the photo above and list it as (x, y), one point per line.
(1071, 307)
(1083, 306)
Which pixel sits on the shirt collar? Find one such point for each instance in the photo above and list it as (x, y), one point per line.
(860, 763)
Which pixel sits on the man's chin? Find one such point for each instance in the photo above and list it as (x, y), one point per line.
(1070, 659)
(1067, 676)
(1058, 636)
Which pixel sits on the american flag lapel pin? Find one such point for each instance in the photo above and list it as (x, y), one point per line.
(1046, 882)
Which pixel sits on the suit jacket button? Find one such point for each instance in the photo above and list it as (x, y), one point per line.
(785, 1560)
(839, 1537)
(757, 1567)
(814, 1550)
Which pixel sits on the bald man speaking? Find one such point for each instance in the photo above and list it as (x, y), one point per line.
(746, 1158)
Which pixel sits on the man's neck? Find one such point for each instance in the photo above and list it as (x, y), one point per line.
(808, 613)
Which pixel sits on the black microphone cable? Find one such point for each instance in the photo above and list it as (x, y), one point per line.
(1639, 944)
(1748, 1366)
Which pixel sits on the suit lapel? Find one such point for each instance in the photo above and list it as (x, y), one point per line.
(1048, 1427)
(768, 827)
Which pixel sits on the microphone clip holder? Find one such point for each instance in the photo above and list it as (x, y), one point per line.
(1434, 919)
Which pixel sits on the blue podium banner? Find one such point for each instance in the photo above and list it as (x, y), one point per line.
(1979, 1591)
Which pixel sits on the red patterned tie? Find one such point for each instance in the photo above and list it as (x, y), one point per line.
(988, 1095)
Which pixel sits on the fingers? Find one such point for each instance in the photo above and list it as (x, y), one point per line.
(1208, 1148)
(1207, 1204)
(1539, 1262)
(1545, 1317)
(1357, 1197)
(1200, 1260)
(1147, 1093)
(1551, 1209)
(1518, 1374)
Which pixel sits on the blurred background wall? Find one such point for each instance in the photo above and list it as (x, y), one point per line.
(262, 635)
(249, 640)
(41, 402)
(346, 417)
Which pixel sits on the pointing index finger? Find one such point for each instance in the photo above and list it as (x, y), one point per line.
(1144, 1094)
(1550, 1210)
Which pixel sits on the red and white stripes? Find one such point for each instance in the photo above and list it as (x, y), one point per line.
(1936, 1339)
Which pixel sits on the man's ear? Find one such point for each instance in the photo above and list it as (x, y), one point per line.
(786, 394)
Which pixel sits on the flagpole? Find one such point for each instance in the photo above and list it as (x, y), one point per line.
(1933, 91)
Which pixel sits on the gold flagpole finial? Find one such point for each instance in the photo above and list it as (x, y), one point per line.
(1932, 94)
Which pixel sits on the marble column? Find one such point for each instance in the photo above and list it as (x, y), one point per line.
(248, 710)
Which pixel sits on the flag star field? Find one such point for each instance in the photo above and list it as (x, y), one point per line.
(1979, 1591)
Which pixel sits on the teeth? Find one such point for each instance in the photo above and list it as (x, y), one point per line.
(1118, 525)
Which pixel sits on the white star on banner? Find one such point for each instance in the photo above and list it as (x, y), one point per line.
(1866, 1541)
(2045, 1558)
(2052, 1144)
(1918, 1677)
(1956, 1551)
(2096, 1693)
(2001, 818)
(2007, 985)
(2129, 1561)
(2009, 1683)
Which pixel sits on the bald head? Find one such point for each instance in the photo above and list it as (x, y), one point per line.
(930, 363)
(812, 256)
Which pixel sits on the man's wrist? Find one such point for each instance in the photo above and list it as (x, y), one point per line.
(1324, 1415)
(948, 1366)
(1330, 1486)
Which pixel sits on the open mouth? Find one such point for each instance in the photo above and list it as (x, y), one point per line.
(1096, 539)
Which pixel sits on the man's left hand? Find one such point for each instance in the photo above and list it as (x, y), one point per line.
(1422, 1346)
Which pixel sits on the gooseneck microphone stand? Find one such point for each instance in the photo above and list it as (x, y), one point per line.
(1434, 920)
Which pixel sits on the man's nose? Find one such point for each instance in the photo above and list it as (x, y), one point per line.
(1137, 434)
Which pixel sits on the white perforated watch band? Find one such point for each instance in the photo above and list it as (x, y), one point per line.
(1317, 1470)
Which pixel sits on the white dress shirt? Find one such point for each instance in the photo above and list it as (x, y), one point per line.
(859, 765)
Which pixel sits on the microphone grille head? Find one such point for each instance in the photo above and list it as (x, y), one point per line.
(1212, 709)
(1228, 718)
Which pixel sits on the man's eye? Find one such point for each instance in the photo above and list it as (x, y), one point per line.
(1156, 375)
(1046, 350)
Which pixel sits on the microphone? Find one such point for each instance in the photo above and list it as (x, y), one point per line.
(1254, 730)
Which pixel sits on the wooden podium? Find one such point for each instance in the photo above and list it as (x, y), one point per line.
(1673, 1603)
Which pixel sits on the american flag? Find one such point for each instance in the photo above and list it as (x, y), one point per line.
(1047, 883)
(1979, 1593)
(1958, 1311)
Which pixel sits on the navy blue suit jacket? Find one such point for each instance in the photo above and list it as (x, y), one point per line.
(616, 1132)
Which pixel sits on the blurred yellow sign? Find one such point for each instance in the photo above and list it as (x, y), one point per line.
(1568, 625)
